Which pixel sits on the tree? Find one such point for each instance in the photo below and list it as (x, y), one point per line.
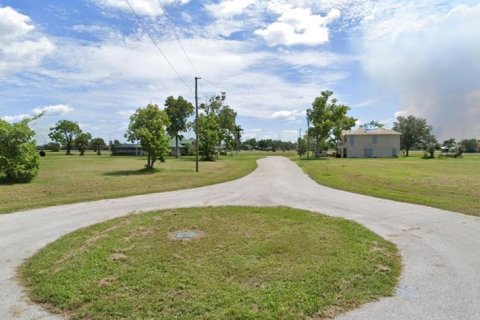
(469, 145)
(178, 110)
(113, 144)
(249, 144)
(372, 124)
(64, 133)
(415, 132)
(147, 126)
(19, 160)
(82, 141)
(430, 145)
(209, 135)
(450, 143)
(97, 145)
(52, 146)
(340, 122)
(228, 128)
(226, 119)
(301, 147)
(237, 133)
(328, 119)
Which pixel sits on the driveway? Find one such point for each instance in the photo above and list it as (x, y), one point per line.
(440, 249)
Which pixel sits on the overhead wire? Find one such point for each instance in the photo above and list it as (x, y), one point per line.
(180, 42)
(157, 46)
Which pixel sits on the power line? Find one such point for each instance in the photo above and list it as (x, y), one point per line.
(173, 28)
(156, 45)
(180, 42)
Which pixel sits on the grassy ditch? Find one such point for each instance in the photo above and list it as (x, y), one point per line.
(446, 183)
(249, 263)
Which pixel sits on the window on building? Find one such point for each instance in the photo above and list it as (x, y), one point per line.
(375, 139)
(352, 141)
(368, 152)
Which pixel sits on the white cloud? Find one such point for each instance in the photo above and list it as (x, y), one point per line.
(319, 59)
(287, 114)
(20, 47)
(228, 8)
(152, 8)
(15, 118)
(299, 26)
(53, 110)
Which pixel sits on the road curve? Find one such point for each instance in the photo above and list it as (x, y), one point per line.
(440, 249)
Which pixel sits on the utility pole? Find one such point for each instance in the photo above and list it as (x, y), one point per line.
(308, 134)
(196, 124)
(299, 139)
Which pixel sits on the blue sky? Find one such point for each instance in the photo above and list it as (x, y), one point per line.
(94, 62)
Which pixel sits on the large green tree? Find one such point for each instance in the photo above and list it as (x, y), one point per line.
(19, 160)
(209, 136)
(178, 111)
(415, 132)
(82, 141)
(148, 127)
(64, 132)
(327, 119)
(228, 127)
(226, 119)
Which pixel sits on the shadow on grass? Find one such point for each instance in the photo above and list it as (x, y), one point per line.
(316, 159)
(140, 172)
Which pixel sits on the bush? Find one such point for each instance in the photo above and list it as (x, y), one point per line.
(19, 160)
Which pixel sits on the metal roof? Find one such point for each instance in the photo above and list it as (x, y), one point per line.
(376, 131)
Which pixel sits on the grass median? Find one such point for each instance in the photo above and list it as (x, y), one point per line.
(247, 263)
(69, 179)
(447, 183)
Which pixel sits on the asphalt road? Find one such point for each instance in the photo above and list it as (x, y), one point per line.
(440, 249)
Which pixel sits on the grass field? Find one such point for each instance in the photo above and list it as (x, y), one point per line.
(446, 183)
(250, 263)
(67, 179)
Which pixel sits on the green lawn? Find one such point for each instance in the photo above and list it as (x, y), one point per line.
(446, 183)
(251, 263)
(67, 179)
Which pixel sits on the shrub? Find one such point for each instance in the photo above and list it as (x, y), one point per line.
(19, 160)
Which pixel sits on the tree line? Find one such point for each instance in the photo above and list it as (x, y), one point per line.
(153, 128)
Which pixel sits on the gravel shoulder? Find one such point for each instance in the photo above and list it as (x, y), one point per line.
(439, 249)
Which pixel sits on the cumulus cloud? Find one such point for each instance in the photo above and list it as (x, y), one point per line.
(15, 118)
(228, 8)
(298, 26)
(432, 63)
(287, 114)
(152, 8)
(52, 110)
(20, 47)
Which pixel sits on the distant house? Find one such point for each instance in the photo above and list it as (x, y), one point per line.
(128, 149)
(369, 143)
(185, 146)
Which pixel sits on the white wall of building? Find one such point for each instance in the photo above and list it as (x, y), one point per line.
(372, 146)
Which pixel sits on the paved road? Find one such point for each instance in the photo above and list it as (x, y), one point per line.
(440, 249)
